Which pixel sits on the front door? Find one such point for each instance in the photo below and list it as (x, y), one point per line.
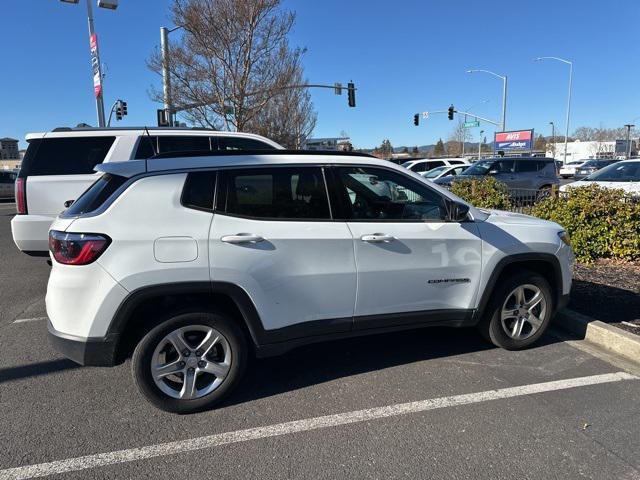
(273, 235)
(409, 258)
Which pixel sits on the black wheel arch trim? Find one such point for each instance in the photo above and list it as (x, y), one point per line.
(516, 258)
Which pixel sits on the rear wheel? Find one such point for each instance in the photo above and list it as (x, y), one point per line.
(190, 362)
(519, 311)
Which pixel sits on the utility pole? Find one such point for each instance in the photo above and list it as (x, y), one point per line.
(628, 126)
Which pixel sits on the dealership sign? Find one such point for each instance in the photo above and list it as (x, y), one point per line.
(516, 140)
(95, 65)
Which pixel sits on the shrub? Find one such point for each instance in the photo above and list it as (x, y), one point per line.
(486, 192)
(602, 223)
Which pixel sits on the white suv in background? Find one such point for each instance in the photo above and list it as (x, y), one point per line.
(59, 165)
(193, 264)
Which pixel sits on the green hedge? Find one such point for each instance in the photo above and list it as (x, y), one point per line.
(483, 193)
(602, 223)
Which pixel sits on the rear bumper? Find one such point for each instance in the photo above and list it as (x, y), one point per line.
(31, 232)
(92, 351)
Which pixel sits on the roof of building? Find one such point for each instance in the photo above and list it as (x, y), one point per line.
(8, 139)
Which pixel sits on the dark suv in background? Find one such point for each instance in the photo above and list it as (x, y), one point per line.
(591, 166)
(524, 176)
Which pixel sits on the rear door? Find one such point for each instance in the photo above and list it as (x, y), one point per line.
(60, 169)
(273, 236)
(409, 259)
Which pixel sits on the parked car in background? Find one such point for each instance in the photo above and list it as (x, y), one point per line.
(569, 170)
(59, 165)
(624, 175)
(7, 183)
(591, 166)
(444, 171)
(193, 265)
(524, 176)
(426, 164)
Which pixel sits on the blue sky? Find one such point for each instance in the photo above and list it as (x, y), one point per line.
(404, 56)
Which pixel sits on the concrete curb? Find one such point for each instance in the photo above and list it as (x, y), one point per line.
(605, 336)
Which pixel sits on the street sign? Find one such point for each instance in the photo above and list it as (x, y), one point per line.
(425, 114)
(517, 140)
(471, 124)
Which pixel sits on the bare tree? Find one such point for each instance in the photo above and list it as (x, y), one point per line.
(457, 136)
(232, 60)
(288, 117)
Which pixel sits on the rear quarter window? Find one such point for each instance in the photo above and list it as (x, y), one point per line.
(96, 195)
(64, 156)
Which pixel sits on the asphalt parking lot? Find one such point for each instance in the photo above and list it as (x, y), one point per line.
(435, 403)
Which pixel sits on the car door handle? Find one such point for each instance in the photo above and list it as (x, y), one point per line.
(377, 238)
(242, 238)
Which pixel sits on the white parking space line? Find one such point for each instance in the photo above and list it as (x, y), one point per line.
(26, 320)
(200, 443)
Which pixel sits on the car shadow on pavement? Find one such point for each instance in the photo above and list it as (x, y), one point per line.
(35, 369)
(323, 362)
(604, 303)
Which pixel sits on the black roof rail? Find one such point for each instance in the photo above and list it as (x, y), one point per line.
(274, 151)
(62, 129)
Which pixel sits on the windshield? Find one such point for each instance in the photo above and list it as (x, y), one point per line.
(407, 164)
(434, 172)
(618, 172)
(575, 163)
(479, 168)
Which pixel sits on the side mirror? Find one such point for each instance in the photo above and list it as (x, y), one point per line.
(458, 212)
(68, 203)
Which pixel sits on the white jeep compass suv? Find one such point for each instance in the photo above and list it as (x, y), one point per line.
(193, 264)
(59, 165)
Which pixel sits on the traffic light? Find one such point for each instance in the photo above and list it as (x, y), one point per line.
(351, 90)
(450, 112)
(121, 109)
(416, 119)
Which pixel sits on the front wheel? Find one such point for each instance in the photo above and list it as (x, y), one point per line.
(519, 311)
(190, 362)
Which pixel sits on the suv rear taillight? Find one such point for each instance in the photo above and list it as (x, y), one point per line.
(77, 248)
(21, 196)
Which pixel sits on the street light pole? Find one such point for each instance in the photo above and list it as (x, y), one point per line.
(166, 79)
(95, 55)
(628, 126)
(480, 144)
(566, 134)
(503, 123)
(553, 138)
(97, 68)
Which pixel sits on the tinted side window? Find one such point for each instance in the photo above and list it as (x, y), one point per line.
(183, 143)
(376, 195)
(239, 143)
(503, 166)
(198, 190)
(96, 194)
(528, 165)
(64, 156)
(7, 177)
(276, 193)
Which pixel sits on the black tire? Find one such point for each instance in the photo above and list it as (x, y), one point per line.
(491, 327)
(143, 354)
